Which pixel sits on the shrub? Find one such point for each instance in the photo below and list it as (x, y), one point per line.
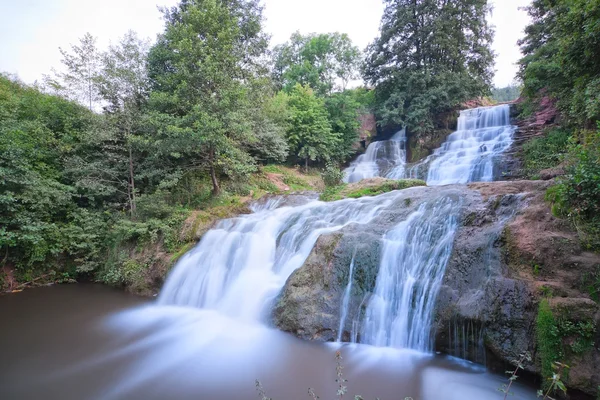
(332, 175)
(545, 152)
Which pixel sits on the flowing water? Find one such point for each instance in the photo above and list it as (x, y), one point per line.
(205, 337)
(74, 342)
(413, 261)
(379, 159)
(468, 155)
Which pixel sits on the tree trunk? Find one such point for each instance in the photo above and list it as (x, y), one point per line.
(306, 165)
(131, 182)
(213, 175)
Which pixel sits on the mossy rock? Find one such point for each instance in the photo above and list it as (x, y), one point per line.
(368, 187)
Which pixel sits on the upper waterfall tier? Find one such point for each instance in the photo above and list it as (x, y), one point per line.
(468, 154)
(379, 159)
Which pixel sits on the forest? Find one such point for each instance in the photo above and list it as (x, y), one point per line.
(112, 151)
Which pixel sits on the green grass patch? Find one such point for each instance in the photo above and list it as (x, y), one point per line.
(545, 152)
(369, 187)
(548, 342)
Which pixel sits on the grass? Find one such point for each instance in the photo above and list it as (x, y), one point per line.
(549, 344)
(368, 187)
(545, 152)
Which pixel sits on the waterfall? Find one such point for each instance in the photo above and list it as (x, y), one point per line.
(414, 258)
(346, 301)
(468, 154)
(379, 159)
(242, 264)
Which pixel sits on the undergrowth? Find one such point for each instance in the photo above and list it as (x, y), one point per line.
(361, 189)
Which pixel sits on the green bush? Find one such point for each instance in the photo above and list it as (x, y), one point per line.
(577, 196)
(548, 343)
(332, 175)
(545, 152)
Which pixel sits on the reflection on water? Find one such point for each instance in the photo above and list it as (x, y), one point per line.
(90, 342)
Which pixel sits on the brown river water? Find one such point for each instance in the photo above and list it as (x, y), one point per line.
(92, 342)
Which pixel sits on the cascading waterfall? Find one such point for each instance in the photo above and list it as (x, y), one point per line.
(468, 154)
(243, 263)
(379, 159)
(414, 258)
(346, 301)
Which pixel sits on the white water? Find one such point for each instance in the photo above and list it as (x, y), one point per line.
(242, 264)
(414, 258)
(346, 301)
(468, 154)
(380, 158)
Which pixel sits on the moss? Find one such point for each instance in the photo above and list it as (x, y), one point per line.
(548, 344)
(368, 188)
(184, 249)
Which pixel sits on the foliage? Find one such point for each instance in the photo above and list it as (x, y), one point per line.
(80, 80)
(199, 99)
(555, 381)
(545, 152)
(577, 196)
(332, 175)
(548, 344)
(368, 188)
(324, 62)
(505, 94)
(560, 56)
(552, 333)
(309, 132)
(519, 364)
(431, 56)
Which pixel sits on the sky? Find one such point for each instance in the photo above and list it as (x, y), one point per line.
(31, 31)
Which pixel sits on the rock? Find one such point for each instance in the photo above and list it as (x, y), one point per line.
(509, 253)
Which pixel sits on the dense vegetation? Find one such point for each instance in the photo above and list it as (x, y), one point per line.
(108, 157)
(431, 56)
(561, 62)
(507, 93)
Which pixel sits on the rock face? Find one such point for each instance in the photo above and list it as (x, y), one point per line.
(508, 254)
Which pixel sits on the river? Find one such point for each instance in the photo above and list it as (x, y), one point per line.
(91, 342)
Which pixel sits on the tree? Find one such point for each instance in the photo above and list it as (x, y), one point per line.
(199, 71)
(561, 59)
(309, 134)
(80, 79)
(431, 56)
(343, 110)
(124, 86)
(325, 62)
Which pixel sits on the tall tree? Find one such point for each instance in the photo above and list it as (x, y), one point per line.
(431, 55)
(325, 62)
(561, 57)
(199, 71)
(124, 86)
(309, 130)
(79, 80)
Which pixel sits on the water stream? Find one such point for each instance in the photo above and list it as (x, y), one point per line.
(205, 336)
(468, 155)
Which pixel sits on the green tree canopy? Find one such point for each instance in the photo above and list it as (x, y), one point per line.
(309, 131)
(561, 56)
(199, 70)
(324, 62)
(431, 55)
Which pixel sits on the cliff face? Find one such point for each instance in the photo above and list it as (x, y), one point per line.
(508, 256)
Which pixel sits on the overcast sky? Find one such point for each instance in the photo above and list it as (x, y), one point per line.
(31, 31)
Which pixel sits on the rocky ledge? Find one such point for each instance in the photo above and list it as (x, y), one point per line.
(510, 255)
